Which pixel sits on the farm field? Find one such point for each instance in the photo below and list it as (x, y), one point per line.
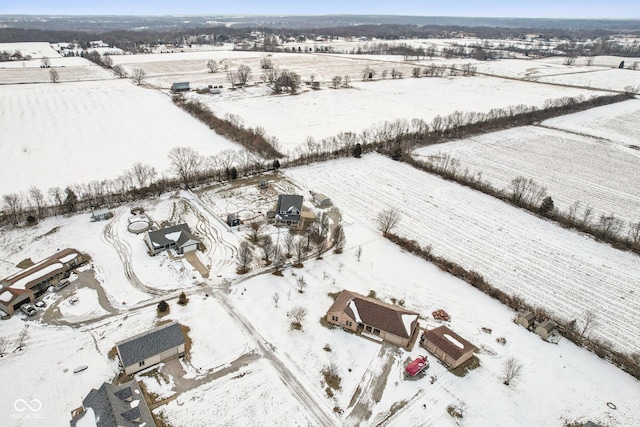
(64, 134)
(559, 270)
(573, 168)
(325, 113)
(616, 122)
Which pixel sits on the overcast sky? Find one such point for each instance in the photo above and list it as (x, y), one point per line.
(608, 9)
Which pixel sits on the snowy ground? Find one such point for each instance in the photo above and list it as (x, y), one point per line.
(326, 112)
(557, 269)
(46, 129)
(602, 174)
(246, 366)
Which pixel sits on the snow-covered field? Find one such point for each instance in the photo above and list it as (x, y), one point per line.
(325, 113)
(62, 134)
(602, 174)
(559, 270)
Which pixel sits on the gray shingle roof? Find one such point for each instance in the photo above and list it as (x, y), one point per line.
(111, 410)
(159, 237)
(289, 207)
(151, 343)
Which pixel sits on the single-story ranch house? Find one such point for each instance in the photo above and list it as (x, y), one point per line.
(176, 237)
(28, 284)
(151, 347)
(368, 316)
(114, 405)
(447, 346)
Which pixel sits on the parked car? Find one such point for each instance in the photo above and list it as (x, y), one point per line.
(73, 300)
(61, 285)
(28, 309)
(40, 304)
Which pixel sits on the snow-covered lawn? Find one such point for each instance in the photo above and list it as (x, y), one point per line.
(63, 134)
(559, 270)
(602, 174)
(81, 306)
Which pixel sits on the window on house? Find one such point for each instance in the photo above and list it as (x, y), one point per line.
(141, 363)
(334, 318)
(368, 328)
(376, 331)
(349, 323)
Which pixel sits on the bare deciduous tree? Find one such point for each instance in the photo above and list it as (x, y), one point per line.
(339, 239)
(3, 346)
(301, 283)
(288, 244)
(267, 249)
(244, 74)
(212, 66)
(107, 61)
(244, 256)
(275, 297)
(511, 369)
(13, 205)
(335, 81)
(387, 220)
(54, 76)
(120, 71)
(37, 197)
(299, 249)
(359, 253)
(45, 62)
(22, 337)
(144, 174)
(138, 75)
(186, 163)
(589, 320)
(609, 226)
(297, 315)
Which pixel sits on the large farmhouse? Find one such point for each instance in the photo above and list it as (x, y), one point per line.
(25, 286)
(176, 237)
(368, 316)
(288, 209)
(151, 347)
(114, 406)
(447, 346)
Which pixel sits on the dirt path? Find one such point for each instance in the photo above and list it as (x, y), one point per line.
(110, 235)
(310, 401)
(371, 386)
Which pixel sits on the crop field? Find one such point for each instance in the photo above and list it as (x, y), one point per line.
(326, 112)
(64, 134)
(559, 270)
(602, 174)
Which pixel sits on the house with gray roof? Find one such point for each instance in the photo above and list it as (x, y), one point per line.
(180, 87)
(178, 237)
(373, 318)
(288, 209)
(151, 347)
(114, 406)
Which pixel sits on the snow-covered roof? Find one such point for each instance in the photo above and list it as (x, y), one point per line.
(449, 342)
(37, 275)
(377, 314)
(6, 296)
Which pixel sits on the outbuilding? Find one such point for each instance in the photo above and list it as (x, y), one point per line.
(101, 215)
(180, 87)
(526, 319)
(321, 201)
(446, 345)
(545, 329)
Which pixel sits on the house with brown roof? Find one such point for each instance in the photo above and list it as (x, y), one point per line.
(373, 318)
(446, 345)
(26, 285)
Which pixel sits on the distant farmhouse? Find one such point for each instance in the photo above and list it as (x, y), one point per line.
(180, 87)
(150, 348)
(101, 215)
(176, 237)
(114, 406)
(447, 346)
(373, 318)
(25, 286)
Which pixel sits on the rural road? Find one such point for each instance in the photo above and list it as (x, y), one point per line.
(310, 401)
